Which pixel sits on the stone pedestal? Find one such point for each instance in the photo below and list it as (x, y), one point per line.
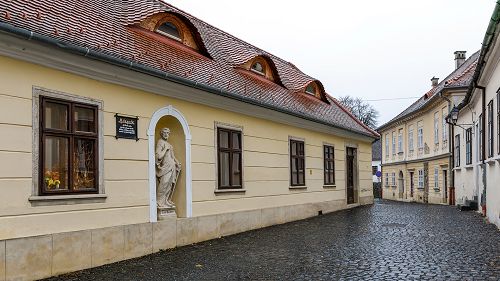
(166, 213)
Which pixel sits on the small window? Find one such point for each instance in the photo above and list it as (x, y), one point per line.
(374, 170)
(491, 145)
(457, 150)
(421, 179)
(69, 140)
(387, 179)
(329, 157)
(311, 89)
(436, 178)
(229, 158)
(297, 163)
(170, 30)
(258, 68)
(393, 177)
(468, 146)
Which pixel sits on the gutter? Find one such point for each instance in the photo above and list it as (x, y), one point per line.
(100, 56)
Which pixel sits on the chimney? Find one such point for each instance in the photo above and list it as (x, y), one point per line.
(435, 81)
(459, 58)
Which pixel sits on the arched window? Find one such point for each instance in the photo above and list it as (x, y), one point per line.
(258, 67)
(170, 30)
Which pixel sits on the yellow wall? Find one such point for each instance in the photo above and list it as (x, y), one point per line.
(265, 157)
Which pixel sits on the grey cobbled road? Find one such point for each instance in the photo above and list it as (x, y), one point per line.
(385, 241)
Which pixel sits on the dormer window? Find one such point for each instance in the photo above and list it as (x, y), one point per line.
(258, 68)
(311, 89)
(170, 30)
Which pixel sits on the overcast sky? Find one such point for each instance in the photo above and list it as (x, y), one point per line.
(381, 49)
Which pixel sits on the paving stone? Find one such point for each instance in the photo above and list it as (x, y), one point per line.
(385, 241)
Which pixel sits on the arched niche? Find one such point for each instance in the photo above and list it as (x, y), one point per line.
(180, 138)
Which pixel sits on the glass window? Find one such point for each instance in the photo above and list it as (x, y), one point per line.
(420, 136)
(457, 150)
(311, 89)
(393, 177)
(400, 141)
(480, 138)
(468, 146)
(297, 163)
(169, 29)
(386, 145)
(257, 67)
(444, 125)
(329, 157)
(420, 178)
(229, 158)
(386, 179)
(436, 178)
(410, 138)
(69, 146)
(393, 143)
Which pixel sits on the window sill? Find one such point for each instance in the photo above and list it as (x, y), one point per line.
(436, 189)
(330, 186)
(458, 169)
(469, 167)
(225, 191)
(297, 187)
(491, 161)
(67, 199)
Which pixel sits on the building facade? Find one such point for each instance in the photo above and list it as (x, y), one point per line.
(477, 132)
(84, 103)
(416, 144)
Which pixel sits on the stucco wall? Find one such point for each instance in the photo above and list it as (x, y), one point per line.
(265, 158)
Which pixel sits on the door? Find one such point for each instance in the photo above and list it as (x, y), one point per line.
(445, 185)
(426, 182)
(401, 183)
(412, 184)
(351, 175)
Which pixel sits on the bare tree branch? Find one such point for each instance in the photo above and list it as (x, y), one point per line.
(364, 111)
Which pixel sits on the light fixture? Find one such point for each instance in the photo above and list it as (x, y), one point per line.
(454, 115)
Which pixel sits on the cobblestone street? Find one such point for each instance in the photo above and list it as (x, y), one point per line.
(386, 241)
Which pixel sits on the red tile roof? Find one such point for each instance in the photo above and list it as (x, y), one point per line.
(107, 26)
(459, 78)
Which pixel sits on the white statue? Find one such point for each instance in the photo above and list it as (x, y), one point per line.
(168, 169)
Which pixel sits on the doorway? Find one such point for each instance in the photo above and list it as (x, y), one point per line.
(445, 186)
(412, 184)
(351, 168)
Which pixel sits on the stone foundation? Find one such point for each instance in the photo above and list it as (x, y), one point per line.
(44, 256)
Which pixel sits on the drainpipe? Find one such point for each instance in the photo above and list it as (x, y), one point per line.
(451, 141)
(483, 144)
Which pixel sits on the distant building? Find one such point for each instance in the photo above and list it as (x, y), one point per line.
(416, 144)
(477, 132)
(376, 160)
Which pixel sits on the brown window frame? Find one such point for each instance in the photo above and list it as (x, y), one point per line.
(468, 146)
(299, 158)
(71, 134)
(231, 151)
(329, 158)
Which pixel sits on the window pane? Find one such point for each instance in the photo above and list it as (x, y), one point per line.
(294, 148)
(55, 164)
(236, 141)
(223, 139)
(236, 170)
(84, 164)
(56, 116)
(84, 119)
(224, 169)
(169, 29)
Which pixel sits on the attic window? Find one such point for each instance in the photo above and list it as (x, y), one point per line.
(257, 67)
(311, 89)
(170, 30)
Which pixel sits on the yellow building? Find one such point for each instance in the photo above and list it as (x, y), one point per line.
(83, 98)
(416, 144)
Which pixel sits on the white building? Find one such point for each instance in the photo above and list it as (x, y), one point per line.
(476, 139)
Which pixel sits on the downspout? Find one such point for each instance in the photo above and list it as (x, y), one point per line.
(451, 138)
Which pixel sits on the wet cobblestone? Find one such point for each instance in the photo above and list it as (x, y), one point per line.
(386, 241)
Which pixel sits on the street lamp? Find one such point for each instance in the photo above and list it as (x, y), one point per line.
(454, 115)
